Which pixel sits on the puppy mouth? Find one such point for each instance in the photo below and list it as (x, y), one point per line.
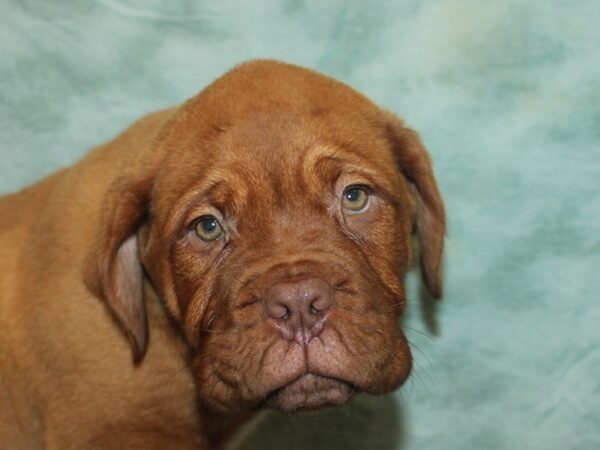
(309, 392)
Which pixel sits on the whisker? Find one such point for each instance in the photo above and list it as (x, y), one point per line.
(431, 376)
(415, 346)
(422, 333)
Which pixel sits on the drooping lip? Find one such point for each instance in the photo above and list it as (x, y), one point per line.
(310, 391)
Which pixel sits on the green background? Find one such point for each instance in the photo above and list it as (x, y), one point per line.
(506, 95)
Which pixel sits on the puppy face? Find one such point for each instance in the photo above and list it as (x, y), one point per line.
(278, 238)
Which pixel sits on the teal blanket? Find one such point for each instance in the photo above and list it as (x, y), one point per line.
(506, 95)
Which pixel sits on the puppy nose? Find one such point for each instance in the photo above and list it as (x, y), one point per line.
(299, 306)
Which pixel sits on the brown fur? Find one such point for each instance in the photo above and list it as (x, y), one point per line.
(268, 147)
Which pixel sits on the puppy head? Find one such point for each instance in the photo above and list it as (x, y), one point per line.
(276, 228)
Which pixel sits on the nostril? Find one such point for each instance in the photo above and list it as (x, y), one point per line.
(278, 311)
(319, 304)
(315, 305)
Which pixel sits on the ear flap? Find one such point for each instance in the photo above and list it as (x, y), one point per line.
(430, 225)
(113, 269)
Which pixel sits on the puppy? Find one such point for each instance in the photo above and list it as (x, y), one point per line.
(247, 248)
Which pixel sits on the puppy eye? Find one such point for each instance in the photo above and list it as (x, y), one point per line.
(355, 199)
(208, 228)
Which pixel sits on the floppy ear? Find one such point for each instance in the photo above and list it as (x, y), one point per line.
(430, 223)
(113, 270)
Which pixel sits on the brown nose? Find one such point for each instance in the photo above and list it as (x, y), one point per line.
(299, 307)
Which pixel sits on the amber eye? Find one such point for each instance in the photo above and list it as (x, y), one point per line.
(208, 228)
(355, 199)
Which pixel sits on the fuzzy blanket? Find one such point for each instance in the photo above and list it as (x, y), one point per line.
(506, 95)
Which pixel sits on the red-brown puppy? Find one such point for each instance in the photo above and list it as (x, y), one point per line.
(251, 244)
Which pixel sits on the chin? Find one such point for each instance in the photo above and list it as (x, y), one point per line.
(310, 392)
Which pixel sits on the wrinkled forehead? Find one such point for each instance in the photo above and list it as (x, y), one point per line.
(275, 156)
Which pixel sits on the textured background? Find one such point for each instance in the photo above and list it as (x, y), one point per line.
(506, 95)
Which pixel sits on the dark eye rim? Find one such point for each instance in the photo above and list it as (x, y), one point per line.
(194, 226)
(365, 187)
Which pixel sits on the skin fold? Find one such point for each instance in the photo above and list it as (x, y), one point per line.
(123, 326)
